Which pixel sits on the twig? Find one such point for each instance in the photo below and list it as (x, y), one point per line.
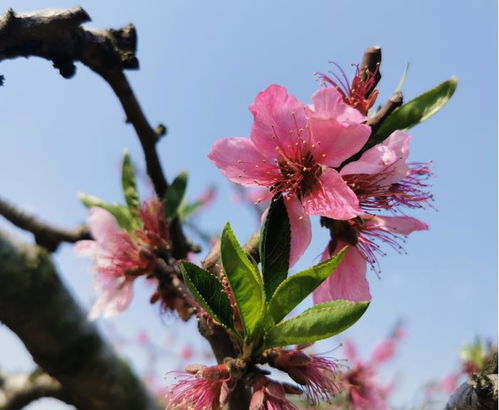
(370, 63)
(46, 235)
(395, 100)
(57, 35)
(17, 391)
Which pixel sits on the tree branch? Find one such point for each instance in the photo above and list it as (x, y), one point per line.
(17, 391)
(48, 236)
(39, 309)
(56, 35)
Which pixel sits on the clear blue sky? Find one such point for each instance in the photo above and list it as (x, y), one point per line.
(202, 63)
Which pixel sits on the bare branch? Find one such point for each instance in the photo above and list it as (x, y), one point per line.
(393, 102)
(56, 35)
(370, 63)
(46, 235)
(39, 309)
(17, 391)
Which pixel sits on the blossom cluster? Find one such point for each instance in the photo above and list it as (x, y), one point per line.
(314, 156)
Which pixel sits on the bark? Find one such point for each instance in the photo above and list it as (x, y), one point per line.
(17, 391)
(37, 307)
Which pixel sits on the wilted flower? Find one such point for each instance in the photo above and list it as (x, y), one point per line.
(313, 372)
(200, 388)
(293, 150)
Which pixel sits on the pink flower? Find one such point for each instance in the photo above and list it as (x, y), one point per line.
(293, 150)
(313, 372)
(381, 179)
(449, 383)
(364, 392)
(186, 353)
(271, 395)
(119, 257)
(349, 281)
(113, 254)
(360, 94)
(200, 388)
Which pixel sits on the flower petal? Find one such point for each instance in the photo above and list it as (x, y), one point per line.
(115, 297)
(389, 158)
(328, 103)
(403, 225)
(334, 142)
(240, 162)
(348, 281)
(349, 350)
(278, 121)
(102, 224)
(331, 197)
(85, 248)
(337, 129)
(301, 230)
(384, 351)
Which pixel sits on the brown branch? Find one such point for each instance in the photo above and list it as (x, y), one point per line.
(56, 35)
(18, 391)
(370, 63)
(38, 308)
(46, 235)
(395, 101)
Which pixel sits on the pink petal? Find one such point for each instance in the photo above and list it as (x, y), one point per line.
(403, 225)
(384, 351)
(102, 224)
(349, 350)
(337, 129)
(328, 103)
(389, 157)
(256, 402)
(85, 248)
(114, 298)
(335, 141)
(240, 162)
(278, 119)
(331, 197)
(301, 230)
(348, 281)
(449, 383)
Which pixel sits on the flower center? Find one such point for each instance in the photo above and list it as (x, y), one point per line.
(297, 177)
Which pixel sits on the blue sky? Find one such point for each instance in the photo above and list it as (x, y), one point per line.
(202, 63)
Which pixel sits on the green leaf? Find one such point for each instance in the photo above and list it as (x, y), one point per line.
(120, 212)
(244, 281)
(319, 322)
(175, 194)
(297, 287)
(402, 79)
(275, 245)
(208, 292)
(128, 183)
(415, 111)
